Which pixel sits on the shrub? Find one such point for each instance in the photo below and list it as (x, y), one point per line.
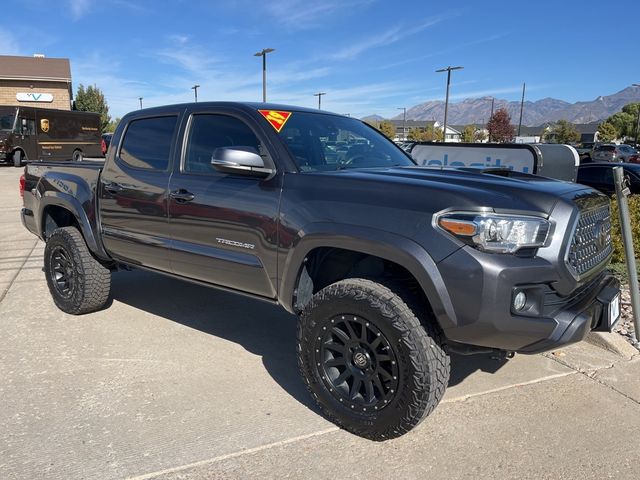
(616, 234)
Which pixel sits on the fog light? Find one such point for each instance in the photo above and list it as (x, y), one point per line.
(519, 301)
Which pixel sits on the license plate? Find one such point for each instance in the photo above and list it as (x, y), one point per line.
(614, 310)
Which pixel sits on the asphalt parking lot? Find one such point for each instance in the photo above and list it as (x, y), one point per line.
(175, 381)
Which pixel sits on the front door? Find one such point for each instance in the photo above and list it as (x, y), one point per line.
(223, 226)
(26, 133)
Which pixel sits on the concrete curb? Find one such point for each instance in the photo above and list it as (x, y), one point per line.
(612, 342)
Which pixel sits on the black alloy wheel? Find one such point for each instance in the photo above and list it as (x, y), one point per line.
(357, 363)
(62, 271)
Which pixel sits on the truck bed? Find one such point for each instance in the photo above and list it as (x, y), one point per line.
(53, 184)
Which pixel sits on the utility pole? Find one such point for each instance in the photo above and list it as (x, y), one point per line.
(404, 122)
(140, 98)
(521, 109)
(263, 53)
(446, 102)
(490, 117)
(319, 95)
(195, 91)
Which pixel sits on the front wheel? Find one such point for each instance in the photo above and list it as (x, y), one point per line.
(78, 282)
(77, 156)
(368, 361)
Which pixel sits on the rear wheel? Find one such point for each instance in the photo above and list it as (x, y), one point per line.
(77, 281)
(368, 361)
(77, 156)
(17, 158)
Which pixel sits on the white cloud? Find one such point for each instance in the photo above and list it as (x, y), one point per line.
(303, 14)
(488, 92)
(79, 8)
(442, 51)
(103, 71)
(9, 44)
(387, 37)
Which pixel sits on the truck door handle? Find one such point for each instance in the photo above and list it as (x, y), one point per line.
(182, 196)
(113, 187)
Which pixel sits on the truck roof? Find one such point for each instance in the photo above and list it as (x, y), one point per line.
(244, 105)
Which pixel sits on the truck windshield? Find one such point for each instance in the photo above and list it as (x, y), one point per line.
(6, 121)
(323, 142)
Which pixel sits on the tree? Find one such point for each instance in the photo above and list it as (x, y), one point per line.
(92, 99)
(385, 127)
(388, 129)
(434, 134)
(111, 126)
(426, 134)
(480, 136)
(469, 134)
(625, 120)
(607, 132)
(562, 131)
(415, 134)
(499, 126)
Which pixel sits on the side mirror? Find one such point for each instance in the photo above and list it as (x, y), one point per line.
(240, 160)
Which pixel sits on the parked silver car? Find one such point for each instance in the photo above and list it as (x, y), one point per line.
(612, 153)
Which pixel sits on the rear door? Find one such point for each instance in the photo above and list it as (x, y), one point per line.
(224, 226)
(133, 192)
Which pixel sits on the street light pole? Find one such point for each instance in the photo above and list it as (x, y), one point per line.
(195, 92)
(521, 109)
(319, 95)
(140, 98)
(490, 117)
(404, 122)
(263, 53)
(637, 118)
(446, 102)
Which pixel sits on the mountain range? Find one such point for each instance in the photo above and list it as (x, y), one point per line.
(478, 110)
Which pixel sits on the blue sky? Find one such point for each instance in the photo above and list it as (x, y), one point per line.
(369, 56)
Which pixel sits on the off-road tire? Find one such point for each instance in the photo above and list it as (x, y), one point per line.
(66, 256)
(416, 341)
(17, 158)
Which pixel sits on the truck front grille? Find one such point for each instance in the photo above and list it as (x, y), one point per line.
(591, 242)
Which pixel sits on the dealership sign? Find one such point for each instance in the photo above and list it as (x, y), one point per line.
(34, 97)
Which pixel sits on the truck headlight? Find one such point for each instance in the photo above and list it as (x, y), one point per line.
(497, 233)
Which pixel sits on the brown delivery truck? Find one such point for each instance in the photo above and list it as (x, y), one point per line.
(29, 133)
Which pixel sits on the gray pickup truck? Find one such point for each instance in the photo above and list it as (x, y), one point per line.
(389, 266)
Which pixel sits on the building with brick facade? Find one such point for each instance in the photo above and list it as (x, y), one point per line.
(36, 81)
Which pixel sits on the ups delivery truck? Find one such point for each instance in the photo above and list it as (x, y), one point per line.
(29, 133)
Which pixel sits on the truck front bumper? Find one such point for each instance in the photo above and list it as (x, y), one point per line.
(482, 288)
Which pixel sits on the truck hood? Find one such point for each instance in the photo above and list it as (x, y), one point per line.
(496, 188)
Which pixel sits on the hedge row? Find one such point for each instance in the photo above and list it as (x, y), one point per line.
(616, 234)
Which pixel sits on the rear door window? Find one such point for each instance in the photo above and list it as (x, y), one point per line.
(605, 148)
(147, 143)
(590, 174)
